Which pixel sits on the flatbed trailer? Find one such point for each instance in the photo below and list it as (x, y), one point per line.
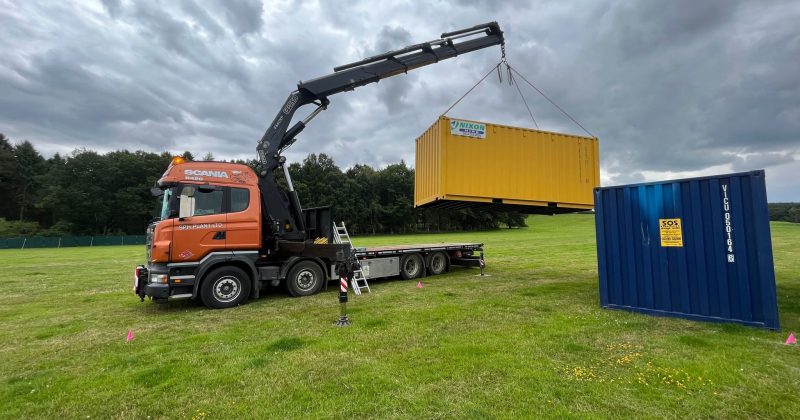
(408, 261)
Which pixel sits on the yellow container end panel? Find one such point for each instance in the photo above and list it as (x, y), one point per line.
(519, 164)
(428, 174)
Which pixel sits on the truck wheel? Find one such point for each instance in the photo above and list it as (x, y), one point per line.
(437, 263)
(411, 266)
(304, 279)
(225, 287)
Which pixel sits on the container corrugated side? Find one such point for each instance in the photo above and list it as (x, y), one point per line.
(511, 166)
(718, 267)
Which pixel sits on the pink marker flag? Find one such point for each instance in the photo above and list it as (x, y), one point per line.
(130, 336)
(419, 285)
(791, 339)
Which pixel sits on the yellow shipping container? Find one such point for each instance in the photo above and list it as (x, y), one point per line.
(463, 163)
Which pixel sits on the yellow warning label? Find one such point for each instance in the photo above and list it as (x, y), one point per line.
(671, 233)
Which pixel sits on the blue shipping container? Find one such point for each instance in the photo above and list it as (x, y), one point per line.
(696, 248)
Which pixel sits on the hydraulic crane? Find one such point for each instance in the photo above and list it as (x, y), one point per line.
(282, 211)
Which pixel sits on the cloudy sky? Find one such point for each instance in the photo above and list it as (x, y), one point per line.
(671, 88)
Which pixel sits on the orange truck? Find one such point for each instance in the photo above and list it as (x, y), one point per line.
(226, 231)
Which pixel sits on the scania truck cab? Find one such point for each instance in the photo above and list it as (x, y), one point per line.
(210, 219)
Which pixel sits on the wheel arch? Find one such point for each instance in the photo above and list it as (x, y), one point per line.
(237, 261)
(292, 261)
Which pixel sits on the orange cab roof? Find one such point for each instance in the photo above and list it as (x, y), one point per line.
(209, 173)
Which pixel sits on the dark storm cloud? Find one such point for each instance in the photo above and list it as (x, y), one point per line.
(112, 6)
(393, 92)
(243, 16)
(671, 88)
(761, 160)
(202, 17)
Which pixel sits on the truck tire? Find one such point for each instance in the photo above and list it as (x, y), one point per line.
(411, 266)
(225, 287)
(304, 279)
(438, 263)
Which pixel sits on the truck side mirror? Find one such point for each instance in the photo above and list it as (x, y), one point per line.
(157, 192)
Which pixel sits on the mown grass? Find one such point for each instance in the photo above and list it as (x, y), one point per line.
(529, 341)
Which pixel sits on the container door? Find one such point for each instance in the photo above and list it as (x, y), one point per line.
(200, 227)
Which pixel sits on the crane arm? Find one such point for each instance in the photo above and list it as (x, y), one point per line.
(370, 70)
(282, 209)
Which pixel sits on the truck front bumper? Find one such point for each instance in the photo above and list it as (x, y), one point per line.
(159, 292)
(143, 287)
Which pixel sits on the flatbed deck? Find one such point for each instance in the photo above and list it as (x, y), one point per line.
(415, 260)
(388, 250)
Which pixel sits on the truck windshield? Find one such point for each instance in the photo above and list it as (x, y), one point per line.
(165, 203)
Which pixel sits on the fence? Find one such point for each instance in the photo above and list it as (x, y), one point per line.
(69, 241)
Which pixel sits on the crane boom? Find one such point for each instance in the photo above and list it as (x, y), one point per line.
(283, 210)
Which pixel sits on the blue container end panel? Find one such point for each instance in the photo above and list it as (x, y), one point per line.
(696, 248)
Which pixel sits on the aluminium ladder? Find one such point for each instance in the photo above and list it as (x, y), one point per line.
(359, 281)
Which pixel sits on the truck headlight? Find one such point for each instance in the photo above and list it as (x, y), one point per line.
(159, 278)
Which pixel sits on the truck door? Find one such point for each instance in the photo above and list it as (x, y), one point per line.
(200, 227)
(243, 225)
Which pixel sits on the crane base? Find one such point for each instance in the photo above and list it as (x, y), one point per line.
(343, 321)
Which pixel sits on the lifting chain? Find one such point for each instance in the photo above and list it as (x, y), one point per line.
(504, 61)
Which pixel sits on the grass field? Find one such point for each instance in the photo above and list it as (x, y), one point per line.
(528, 341)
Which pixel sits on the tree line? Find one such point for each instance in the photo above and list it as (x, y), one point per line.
(785, 212)
(89, 193)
